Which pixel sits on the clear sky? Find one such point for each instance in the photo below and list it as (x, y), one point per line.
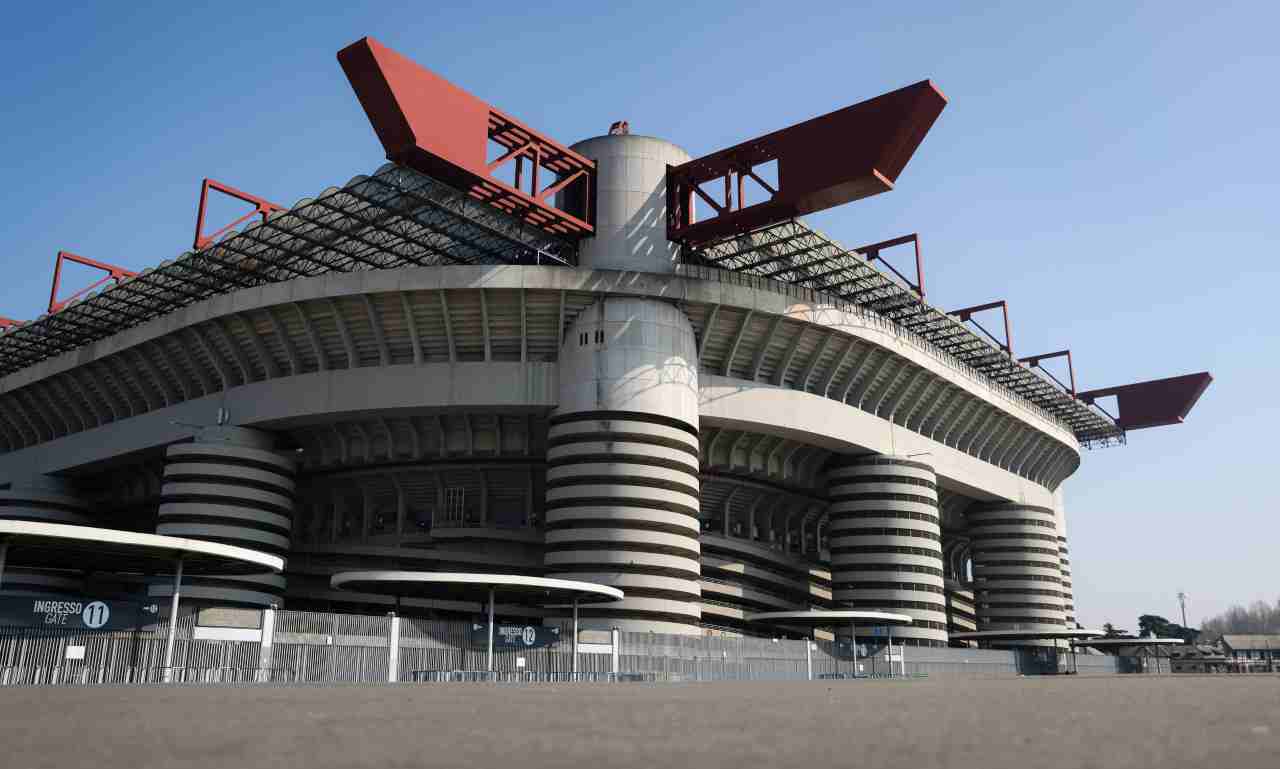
(1110, 169)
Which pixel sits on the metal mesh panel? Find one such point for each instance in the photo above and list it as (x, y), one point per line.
(319, 647)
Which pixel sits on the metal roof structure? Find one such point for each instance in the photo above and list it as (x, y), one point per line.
(395, 218)
(400, 217)
(791, 252)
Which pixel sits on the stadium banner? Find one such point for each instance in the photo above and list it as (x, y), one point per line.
(515, 636)
(71, 613)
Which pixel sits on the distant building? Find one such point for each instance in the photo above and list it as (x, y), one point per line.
(1200, 658)
(1252, 652)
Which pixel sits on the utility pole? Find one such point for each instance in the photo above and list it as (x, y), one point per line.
(1182, 601)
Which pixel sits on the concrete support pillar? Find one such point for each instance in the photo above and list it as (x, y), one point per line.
(267, 648)
(1016, 569)
(622, 491)
(393, 650)
(886, 542)
(615, 642)
(229, 486)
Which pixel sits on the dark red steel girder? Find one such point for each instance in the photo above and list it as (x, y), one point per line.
(965, 314)
(1034, 361)
(261, 208)
(827, 161)
(114, 273)
(1154, 403)
(872, 253)
(433, 126)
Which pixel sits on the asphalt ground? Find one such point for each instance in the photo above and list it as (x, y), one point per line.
(1070, 721)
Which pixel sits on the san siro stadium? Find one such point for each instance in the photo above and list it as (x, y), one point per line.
(608, 362)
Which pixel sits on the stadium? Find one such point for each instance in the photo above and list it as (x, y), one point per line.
(606, 362)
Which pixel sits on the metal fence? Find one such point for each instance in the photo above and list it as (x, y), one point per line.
(326, 648)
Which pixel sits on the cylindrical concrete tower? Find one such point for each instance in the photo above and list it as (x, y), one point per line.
(1016, 571)
(44, 500)
(886, 543)
(47, 500)
(631, 203)
(1064, 561)
(622, 465)
(229, 487)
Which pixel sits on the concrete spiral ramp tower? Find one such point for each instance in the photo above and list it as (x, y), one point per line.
(228, 486)
(622, 465)
(1017, 569)
(886, 542)
(44, 500)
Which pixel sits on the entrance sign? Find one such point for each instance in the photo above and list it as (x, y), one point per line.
(516, 636)
(73, 613)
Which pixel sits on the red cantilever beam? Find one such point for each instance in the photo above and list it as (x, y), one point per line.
(1034, 361)
(827, 161)
(966, 314)
(1155, 403)
(872, 253)
(114, 273)
(431, 125)
(261, 208)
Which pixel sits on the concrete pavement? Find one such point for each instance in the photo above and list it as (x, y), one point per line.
(1114, 722)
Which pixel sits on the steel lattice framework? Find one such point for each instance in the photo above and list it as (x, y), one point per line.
(395, 218)
(791, 252)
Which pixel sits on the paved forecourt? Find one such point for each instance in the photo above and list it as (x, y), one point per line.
(1112, 721)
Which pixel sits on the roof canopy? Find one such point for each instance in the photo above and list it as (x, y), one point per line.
(474, 587)
(1026, 635)
(34, 544)
(1109, 643)
(821, 618)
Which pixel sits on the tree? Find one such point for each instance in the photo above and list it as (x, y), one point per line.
(1112, 631)
(1260, 617)
(1155, 626)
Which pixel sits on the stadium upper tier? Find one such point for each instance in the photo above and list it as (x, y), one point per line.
(399, 218)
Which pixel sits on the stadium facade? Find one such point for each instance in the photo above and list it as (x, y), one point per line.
(628, 373)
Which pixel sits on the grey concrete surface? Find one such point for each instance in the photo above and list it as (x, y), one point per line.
(1115, 721)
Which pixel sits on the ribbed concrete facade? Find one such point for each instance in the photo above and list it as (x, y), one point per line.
(1016, 568)
(229, 487)
(49, 502)
(622, 465)
(886, 543)
(45, 500)
(1064, 561)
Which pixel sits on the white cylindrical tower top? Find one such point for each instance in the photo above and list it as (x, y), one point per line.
(631, 355)
(631, 203)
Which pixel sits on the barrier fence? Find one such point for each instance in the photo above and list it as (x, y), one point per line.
(294, 647)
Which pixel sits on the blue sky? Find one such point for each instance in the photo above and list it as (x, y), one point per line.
(1108, 168)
